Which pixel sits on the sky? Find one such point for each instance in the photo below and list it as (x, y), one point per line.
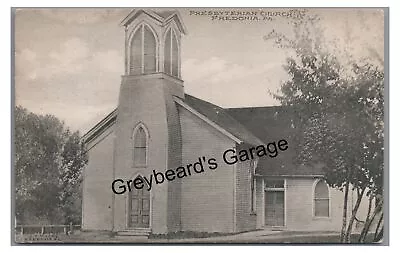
(69, 62)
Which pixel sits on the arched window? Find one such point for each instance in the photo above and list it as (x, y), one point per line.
(149, 51)
(174, 61)
(167, 53)
(140, 147)
(136, 53)
(143, 51)
(321, 199)
(171, 54)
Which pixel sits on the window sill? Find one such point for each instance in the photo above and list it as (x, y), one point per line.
(321, 218)
(139, 166)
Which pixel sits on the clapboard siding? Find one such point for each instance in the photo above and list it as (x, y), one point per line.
(207, 198)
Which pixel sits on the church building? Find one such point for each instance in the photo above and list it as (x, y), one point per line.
(157, 126)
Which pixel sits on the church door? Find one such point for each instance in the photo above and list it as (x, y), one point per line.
(274, 208)
(139, 216)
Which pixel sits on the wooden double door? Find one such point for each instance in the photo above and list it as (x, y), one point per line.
(139, 213)
(275, 208)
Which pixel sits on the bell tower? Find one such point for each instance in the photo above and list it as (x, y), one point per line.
(153, 43)
(147, 133)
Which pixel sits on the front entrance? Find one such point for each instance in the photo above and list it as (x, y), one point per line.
(275, 204)
(139, 215)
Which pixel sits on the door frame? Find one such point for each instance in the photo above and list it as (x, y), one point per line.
(284, 189)
(128, 207)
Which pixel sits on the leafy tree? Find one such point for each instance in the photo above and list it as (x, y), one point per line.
(341, 117)
(48, 164)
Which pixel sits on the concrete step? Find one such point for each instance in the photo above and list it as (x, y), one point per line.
(134, 232)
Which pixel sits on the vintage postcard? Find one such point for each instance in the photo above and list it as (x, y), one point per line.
(199, 125)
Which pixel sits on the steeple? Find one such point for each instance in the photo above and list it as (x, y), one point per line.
(147, 130)
(152, 42)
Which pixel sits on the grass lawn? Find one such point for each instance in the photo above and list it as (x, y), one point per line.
(302, 238)
(187, 234)
(284, 237)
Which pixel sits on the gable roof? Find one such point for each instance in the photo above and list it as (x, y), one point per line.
(100, 127)
(267, 123)
(165, 14)
(222, 119)
(161, 15)
(271, 124)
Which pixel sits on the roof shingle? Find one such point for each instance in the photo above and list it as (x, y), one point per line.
(273, 124)
(220, 117)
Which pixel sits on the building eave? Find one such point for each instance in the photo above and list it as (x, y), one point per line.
(131, 16)
(180, 22)
(205, 119)
(100, 127)
(287, 175)
(128, 19)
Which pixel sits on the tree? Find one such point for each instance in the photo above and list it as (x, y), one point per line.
(48, 164)
(341, 117)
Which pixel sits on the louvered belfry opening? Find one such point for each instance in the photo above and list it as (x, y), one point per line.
(171, 54)
(143, 51)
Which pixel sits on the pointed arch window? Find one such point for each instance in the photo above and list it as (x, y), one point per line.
(140, 144)
(321, 199)
(143, 51)
(171, 54)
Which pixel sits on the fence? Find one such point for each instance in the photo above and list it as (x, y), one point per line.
(46, 229)
(43, 232)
